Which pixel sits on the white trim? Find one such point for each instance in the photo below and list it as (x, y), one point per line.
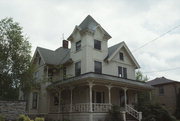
(128, 51)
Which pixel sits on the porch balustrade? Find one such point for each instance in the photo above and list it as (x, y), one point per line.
(133, 112)
(101, 107)
(82, 107)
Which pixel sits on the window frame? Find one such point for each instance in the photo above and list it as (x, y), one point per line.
(78, 45)
(97, 44)
(34, 100)
(161, 90)
(96, 69)
(122, 71)
(78, 68)
(121, 56)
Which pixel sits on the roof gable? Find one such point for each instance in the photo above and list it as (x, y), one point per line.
(113, 50)
(161, 80)
(57, 57)
(91, 25)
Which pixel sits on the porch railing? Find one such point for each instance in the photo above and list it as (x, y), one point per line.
(101, 107)
(130, 110)
(83, 107)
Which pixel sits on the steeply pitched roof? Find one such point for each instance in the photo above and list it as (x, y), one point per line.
(59, 56)
(114, 49)
(90, 24)
(161, 80)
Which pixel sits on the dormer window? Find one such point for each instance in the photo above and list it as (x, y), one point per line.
(97, 44)
(121, 56)
(39, 61)
(78, 45)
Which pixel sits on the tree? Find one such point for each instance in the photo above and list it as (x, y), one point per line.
(141, 77)
(14, 58)
(151, 111)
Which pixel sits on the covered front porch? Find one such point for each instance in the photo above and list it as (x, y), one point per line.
(93, 95)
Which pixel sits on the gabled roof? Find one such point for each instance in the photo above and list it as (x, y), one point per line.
(90, 24)
(57, 57)
(113, 50)
(161, 80)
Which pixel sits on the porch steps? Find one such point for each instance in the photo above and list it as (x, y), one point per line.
(130, 118)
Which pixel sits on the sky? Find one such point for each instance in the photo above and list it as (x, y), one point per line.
(136, 22)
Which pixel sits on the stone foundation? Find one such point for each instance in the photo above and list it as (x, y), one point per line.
(12, 109)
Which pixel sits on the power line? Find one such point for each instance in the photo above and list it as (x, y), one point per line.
(156, 38)
(171, 69)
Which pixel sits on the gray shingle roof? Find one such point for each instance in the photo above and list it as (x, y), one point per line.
(161, 80)
(59, 56)
(90, 24)
(113, 48)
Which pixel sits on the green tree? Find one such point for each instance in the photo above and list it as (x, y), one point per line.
(141, 77)
(14, 58)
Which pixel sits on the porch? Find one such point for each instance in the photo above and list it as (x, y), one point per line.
(93, 96)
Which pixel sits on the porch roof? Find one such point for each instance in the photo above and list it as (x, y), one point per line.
(103, 78)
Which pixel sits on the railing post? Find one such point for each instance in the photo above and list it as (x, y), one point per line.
(124, 115)
(140, 116)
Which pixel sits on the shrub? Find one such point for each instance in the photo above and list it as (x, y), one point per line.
(114, 113)
(23, 118)
(2, 118)
(39, 119)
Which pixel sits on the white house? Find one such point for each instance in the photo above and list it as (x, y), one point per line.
(81, 83)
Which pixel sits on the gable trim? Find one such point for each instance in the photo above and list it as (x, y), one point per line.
(37, 50)
(129, 52)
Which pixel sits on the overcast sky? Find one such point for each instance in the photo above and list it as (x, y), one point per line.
(134, 21)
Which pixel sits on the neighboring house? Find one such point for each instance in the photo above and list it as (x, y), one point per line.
(83, 82)
(165, 92)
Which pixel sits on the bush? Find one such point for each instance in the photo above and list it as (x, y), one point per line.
(155, 112)
(114, 113)
(23, 118)
(2, 118)
(39, 119)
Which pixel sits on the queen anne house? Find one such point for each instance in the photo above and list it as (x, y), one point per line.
(81, 83)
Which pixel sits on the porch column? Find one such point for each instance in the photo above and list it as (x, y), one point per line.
(71, 89)
(90, 96)
(59, 106)
(109, 92)
(125, 96)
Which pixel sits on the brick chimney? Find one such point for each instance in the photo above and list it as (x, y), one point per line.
(65, 43)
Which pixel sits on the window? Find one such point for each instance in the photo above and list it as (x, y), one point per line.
(50, 73)
(39, 61)
(97, 67)
(121, 56)
(122, 72)
(56, 99)
(64, 72)
(78, 68)
(97, 44)
(161, 90)
(34, 101)
(78, 45)
(36, 75)
(98, 97)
